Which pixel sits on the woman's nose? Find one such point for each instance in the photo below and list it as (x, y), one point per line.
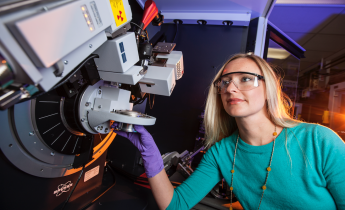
(232, 87)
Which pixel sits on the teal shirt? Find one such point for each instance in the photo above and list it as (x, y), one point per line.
(313, 179)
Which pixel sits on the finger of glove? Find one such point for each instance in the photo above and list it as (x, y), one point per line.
(132, 137)
(145, 137)
(122, 133)
(114, 125)
(140, 129)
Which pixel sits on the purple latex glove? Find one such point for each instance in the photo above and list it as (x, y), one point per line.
(143, 140)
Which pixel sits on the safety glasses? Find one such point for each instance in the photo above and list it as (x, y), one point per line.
(242, 80)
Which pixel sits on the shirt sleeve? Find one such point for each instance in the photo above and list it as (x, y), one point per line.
(201, 181)
(333, 164)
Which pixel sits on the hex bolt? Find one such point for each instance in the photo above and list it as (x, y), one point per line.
(90, 45)
(87, 104)
(31, 133)
(52, 153)
(83, 119)
(65, 62)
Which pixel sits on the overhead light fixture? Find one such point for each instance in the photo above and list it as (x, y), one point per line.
(277, 53)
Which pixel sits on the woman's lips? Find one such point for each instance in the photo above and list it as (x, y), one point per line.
(234, 101)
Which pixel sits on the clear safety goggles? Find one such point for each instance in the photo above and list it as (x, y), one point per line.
(242, 80)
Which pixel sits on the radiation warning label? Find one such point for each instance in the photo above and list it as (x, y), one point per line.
(118, 11)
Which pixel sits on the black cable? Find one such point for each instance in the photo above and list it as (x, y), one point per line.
(153, 102)
(69, 196)
(94, 200)
(175, 31)
(147, 36)
(140, 101)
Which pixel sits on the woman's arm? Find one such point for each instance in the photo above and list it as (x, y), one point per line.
(162, 189)
(191, 191)
(333, 155)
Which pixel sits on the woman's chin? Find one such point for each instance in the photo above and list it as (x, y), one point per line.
(235, 112)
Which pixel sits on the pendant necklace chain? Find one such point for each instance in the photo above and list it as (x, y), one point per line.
(268, 169)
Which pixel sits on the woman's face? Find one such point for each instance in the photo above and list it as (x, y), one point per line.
(243, 103)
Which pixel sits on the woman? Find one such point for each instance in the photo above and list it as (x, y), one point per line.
(270, 160)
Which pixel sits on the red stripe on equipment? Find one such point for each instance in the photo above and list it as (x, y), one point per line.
(150, 12)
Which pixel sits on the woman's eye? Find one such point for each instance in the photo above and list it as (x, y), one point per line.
(225, 82)
(245, 79)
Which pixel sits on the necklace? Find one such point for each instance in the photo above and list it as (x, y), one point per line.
(268, 169)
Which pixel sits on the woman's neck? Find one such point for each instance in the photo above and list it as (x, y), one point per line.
(257, 129)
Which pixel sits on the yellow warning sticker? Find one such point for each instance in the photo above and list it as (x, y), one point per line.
(118, 11)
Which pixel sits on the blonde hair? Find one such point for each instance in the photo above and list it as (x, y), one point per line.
(219, 124)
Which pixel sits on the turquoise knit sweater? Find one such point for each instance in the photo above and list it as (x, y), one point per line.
(314, 178)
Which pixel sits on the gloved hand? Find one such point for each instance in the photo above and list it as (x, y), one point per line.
(143, 140)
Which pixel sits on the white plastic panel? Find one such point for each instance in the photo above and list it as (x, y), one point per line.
(162, 80)
(49, 36)
(71, 60)
(112, 99)
(130, 77)
(118, 55)
(175, 60)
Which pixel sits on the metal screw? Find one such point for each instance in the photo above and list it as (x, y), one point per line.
(41, 170)
(31, 133)
(87, 104)
(65, 62)
(106, 130)
(70, 91)
(41, 149)
(10, 145)
(99, 92)
(83, 120)
(75, 75)
(34, 142)
(45, 9)
(52, 153)
(100, 203)
(90, 45)
(100, 106)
